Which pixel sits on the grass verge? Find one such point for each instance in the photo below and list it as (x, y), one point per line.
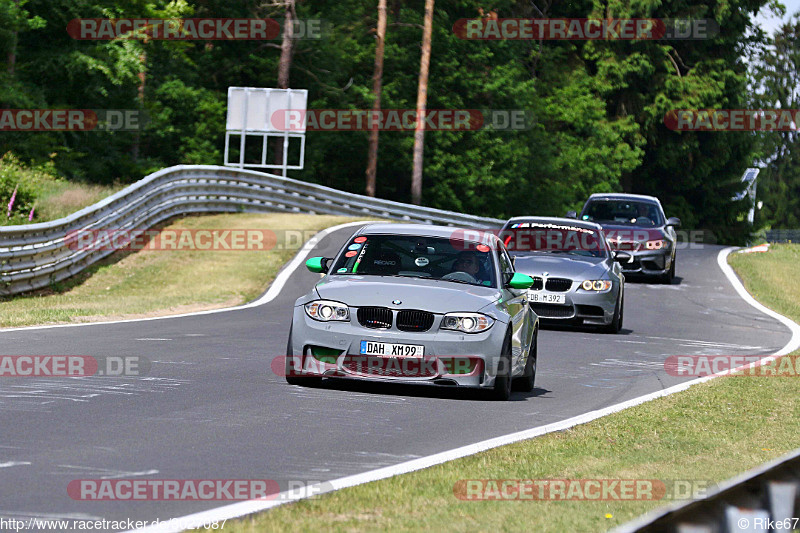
(60, 198)
(157, 283)
(40, 195)
(709, 433)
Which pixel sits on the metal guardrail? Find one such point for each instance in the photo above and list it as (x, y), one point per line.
(37, 255)
(782, 235)
(764, 499)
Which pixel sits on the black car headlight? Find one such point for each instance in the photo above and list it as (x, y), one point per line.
(326, 311)
(466, 322)
(596, 285)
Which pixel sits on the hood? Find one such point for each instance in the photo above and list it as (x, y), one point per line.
(414, 293)
(631, 233)
(561, 266)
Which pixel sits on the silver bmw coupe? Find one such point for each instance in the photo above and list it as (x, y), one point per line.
(417, 304)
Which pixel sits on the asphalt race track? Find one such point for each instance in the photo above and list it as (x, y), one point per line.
(211, 408)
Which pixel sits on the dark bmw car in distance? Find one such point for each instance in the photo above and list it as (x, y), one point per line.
(637, 225)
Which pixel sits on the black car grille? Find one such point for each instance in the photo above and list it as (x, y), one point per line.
(590, 310)
(375, 317)
(633, 265)
(553, 311)
(537, 284)
(558, 284)
(414, 320)
(625, 246)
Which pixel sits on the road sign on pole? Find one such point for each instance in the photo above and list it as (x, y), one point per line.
(263, 112)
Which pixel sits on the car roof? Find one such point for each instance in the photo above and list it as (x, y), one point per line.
(428, 230)
(557, 220)
(623, 196)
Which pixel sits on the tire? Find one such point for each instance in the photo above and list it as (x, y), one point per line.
(670, 275)
(502, 382)
(616, 323)
(525, 383)
(296, 380)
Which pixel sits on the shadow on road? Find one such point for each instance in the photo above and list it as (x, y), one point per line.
(420, 391)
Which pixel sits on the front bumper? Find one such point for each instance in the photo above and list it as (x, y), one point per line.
(648, 262)
(450, 357)
(581, 307)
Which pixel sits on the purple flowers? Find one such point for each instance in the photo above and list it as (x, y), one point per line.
(11, 202)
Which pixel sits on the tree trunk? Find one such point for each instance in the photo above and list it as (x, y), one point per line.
(142, 78)
(422, 100)
(12, 54)
(284, 66)
(377, 79)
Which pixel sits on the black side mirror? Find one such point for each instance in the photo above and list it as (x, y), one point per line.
(674, 221)
(572, 214)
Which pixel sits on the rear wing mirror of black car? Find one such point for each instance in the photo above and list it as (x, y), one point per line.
(674, 221)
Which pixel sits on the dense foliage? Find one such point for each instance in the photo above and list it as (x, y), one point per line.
(598, 105)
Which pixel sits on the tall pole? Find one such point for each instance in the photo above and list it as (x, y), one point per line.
(281, 144)
(377, 79)
(422, 100)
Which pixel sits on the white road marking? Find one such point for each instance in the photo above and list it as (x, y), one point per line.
(239, 509)
(14, 463)
(708, 343)
(152, 339)
(105, 473)
(626, 364)
(24, 516)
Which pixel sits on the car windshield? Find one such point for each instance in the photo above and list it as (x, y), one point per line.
(438, 258)
(528, 238)
(623, 212)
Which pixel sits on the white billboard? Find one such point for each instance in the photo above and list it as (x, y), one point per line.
(263, 112)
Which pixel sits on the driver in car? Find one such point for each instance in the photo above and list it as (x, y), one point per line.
(645, 214)
(468, 262)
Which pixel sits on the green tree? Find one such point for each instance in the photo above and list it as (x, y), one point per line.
(777, 81)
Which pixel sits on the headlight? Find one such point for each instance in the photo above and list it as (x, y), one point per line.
(325, 311)
(654, 245)
(467, 322)
(597, 285)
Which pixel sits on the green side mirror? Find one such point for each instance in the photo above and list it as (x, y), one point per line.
(520, 281)
(317, 264)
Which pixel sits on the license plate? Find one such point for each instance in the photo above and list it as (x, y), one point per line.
(547, 297)
(386, 349)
